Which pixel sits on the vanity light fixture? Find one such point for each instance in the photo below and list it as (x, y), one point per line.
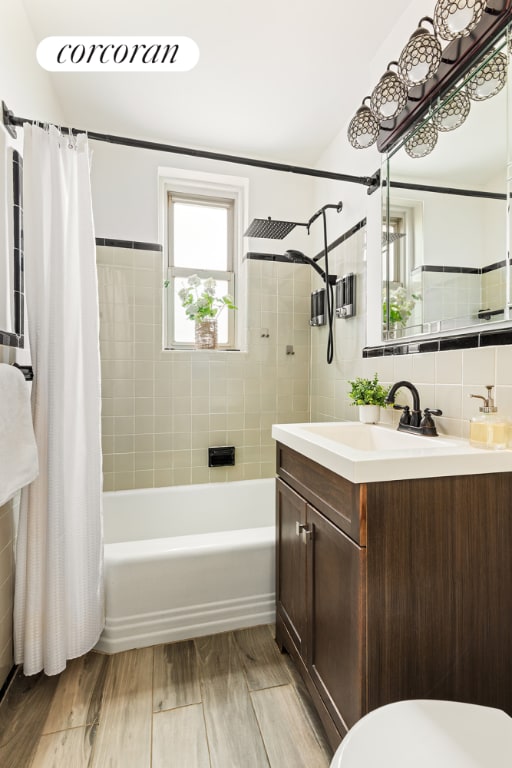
(363, 128)
(430, 64)
(389, 96)
(453, 113)
(422, 141)
(421, 57)
(457, 18)
(488, 80)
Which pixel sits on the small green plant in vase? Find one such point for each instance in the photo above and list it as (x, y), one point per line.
(202, 306)
(370, 396)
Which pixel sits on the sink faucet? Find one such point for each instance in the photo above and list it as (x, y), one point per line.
(413, 421)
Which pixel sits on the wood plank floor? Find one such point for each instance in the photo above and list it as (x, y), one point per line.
(224, 701)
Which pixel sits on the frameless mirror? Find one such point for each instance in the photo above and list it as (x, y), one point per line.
(446, 215)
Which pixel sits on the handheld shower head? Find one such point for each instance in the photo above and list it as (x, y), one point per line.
(289, 257)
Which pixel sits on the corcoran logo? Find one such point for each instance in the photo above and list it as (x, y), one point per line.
(117, 54)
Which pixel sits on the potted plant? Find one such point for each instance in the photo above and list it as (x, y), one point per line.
(401, 307)
(370, 396)
(204, 307)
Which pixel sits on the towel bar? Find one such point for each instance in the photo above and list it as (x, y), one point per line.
(26, 370)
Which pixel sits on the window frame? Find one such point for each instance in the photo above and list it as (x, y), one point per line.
(210, 189)
(173, 272)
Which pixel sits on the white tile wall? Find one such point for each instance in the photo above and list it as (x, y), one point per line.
(161, 410)
(444, 379)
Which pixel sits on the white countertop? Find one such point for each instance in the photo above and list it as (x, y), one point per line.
(365, 453)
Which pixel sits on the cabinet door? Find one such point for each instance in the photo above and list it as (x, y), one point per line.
(336, 652)
(291, 563)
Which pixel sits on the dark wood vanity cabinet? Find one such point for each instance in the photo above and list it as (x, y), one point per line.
(394, 590)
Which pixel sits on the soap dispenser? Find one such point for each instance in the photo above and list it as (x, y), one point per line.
(488, 430)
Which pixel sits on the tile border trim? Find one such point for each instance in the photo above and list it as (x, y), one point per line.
(136, 244)
(441, 344)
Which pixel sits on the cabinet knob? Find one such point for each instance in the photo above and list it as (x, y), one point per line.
(304, 529)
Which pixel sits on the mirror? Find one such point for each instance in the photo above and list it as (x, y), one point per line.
(446, 217)
(11, 248)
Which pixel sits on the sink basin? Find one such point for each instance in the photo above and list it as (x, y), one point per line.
(364, 453)
(371, 437)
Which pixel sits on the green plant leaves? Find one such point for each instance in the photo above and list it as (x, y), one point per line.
(368, 392)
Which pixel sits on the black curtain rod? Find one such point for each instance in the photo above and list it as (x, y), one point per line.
(447, 190)
(10, 120)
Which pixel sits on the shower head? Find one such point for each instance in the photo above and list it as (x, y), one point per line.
(391, 237)
(271, 228)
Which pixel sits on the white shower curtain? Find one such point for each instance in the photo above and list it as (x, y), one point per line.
(58, 606)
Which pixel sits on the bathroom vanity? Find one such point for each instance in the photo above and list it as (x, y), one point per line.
(392, 589)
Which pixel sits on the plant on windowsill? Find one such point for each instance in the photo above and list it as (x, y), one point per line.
(370, 396)
(401, 306)
(204, 307)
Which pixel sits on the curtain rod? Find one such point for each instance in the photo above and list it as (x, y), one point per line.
(372, 182)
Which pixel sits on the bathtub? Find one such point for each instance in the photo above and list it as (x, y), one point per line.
(187, 561)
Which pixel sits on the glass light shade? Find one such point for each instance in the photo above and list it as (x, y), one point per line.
(420, 58)
(363, 129)
(422, 142)
(489, 80)
(453, 112)
(457, 18)
(389, 96)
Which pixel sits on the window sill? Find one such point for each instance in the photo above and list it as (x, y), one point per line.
(194, 349)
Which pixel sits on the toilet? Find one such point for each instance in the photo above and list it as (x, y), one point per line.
(428, 734)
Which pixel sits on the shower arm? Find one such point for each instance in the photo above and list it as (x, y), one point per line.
(338, 208)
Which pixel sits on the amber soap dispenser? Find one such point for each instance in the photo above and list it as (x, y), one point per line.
(488, 429)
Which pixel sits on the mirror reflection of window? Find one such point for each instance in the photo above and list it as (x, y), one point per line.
(396, 231)
(456, 259)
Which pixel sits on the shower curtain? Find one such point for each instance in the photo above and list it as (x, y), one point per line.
(58, 603)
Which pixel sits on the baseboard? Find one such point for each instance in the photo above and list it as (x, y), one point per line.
(171, 625)
(7, 682)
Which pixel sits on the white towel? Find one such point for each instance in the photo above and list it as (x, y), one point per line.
(18, 451)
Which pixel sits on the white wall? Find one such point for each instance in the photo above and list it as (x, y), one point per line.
(125, 193)
(24, 86)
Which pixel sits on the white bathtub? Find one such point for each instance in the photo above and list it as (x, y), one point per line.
(187, 561)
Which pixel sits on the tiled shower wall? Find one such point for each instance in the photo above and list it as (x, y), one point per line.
(161, 410)
(444, 379)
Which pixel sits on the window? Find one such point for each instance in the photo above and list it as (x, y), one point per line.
(203, 234)
(403, 252)
(396, 228)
